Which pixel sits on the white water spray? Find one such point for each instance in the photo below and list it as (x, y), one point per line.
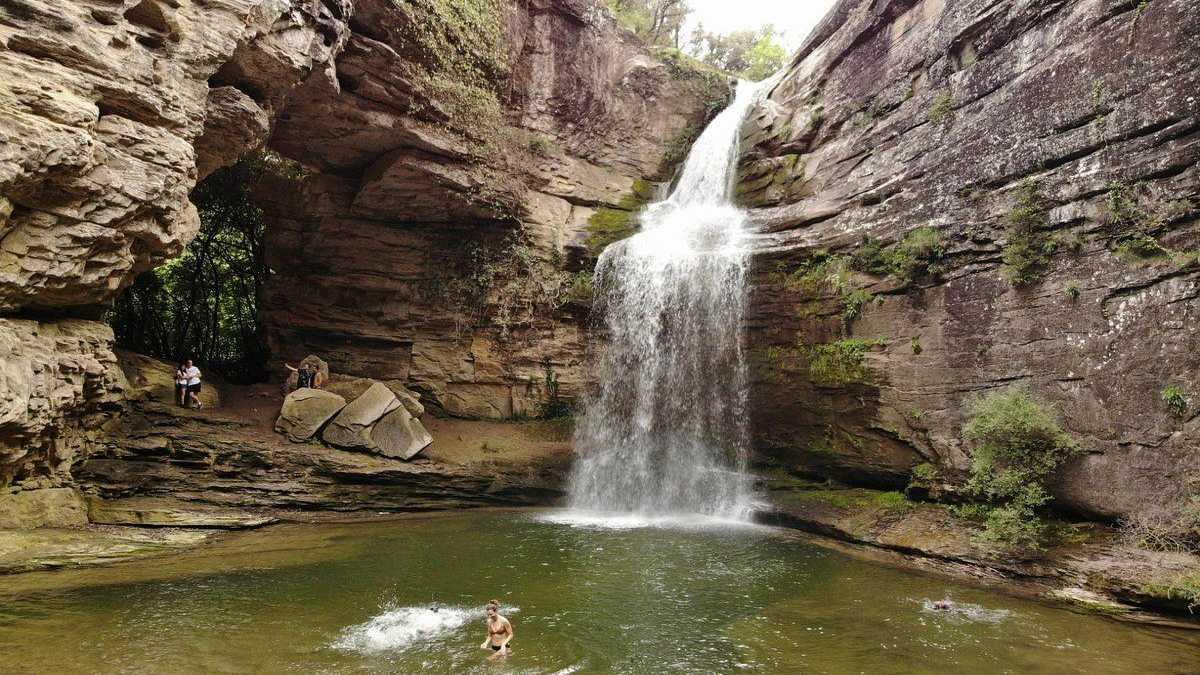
(666, 433)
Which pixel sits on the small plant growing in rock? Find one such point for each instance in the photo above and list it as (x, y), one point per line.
(1018, 447)
(1177, 399)
(854, 302)
(942, 109)
(916, 345)
(924, 472)
(1028, 249)
(1072, 292)
(839, 363)
(920, 252)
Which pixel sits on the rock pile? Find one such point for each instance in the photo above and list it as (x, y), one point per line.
(382, 420)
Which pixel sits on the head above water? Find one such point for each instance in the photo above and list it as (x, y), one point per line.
(493, 608)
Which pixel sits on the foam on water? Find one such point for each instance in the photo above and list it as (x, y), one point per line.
(404, 627)
(602, 520)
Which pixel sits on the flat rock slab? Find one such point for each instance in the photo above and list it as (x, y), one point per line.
(351, 429)
(305, 411)
(31, 550)
(50, 507)
(155, 512)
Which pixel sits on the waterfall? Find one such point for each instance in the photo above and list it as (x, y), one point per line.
(666, 433)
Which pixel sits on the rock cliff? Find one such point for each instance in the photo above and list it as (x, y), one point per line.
(956, 195)
(438, 142)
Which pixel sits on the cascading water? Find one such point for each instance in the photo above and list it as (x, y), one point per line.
(666, 433)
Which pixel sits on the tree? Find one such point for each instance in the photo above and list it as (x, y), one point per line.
(203, 305)
(658, 22)
(752, 54)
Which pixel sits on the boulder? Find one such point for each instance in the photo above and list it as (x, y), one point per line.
(398, 434)
(351, 429)
(305, 411)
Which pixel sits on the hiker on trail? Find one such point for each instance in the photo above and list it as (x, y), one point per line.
(181, 384)
(192, 373)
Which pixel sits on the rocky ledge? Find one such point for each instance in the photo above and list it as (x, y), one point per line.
(1086, 565)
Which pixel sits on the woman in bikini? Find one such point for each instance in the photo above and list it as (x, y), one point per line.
(500, 631)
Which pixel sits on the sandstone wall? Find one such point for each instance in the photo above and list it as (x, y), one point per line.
(111, 110)
(427, 246)
(1073, 125)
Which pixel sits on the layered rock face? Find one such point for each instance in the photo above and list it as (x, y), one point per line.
(106, 109)
(452, 156)
(1027, 175)
(435, 238)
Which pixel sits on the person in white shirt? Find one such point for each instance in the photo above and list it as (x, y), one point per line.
(192, 373)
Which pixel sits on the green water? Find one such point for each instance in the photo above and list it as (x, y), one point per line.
(359, 598)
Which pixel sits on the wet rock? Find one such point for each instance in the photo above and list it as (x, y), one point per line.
(305, 411)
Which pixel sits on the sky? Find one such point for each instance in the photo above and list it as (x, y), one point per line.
(797, 17)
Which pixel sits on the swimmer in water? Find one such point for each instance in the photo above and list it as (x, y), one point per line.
(500, 632)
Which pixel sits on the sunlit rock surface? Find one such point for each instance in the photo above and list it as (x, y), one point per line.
(909, 114)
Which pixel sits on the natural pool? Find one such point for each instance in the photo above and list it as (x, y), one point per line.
(406, 596)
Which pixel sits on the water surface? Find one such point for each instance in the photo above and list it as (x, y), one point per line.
(406, 597)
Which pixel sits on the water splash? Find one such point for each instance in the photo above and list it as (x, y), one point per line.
(666, 433)
(404, 627)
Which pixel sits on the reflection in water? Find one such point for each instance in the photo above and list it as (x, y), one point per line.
(407, 597)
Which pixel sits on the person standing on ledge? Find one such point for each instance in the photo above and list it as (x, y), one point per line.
(192, 373)
(500, 632)
(181, 386)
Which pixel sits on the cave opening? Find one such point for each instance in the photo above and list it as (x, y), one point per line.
(203, 305)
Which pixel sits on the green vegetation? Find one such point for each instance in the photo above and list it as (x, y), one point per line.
(751, 54)
(893, 501)
(924, 472)
(502, 283)
(543, 146)
(581, 288)
(916, 345)
(462, 61)
(1072, 292)
(1185, 587)
(203, 304)
(1018, 447)
(1177, 399)
(1137, 212)
(1028, 249)
(610, 225)
(677, 148)
(919, 253)
(840, 363)
(942, 109)
(853, 303)
(553, 406)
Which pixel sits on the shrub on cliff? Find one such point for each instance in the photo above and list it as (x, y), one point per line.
(1018, 446)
